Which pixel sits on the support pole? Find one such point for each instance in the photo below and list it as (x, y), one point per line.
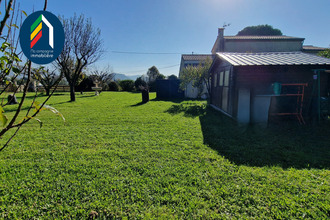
(318, 73)
(319, 96)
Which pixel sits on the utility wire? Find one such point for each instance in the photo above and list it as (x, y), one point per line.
(153, 53)
(165, 67)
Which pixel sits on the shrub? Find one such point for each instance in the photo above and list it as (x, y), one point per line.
(85, 85)
(113, 86)
(172, 77)
(127, 85)
(139, 82)
(152, 86)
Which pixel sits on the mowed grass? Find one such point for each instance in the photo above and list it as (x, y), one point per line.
(117, 158)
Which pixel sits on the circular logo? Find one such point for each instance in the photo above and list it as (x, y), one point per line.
(42, 37)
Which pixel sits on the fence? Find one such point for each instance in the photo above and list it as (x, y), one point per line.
(58, 89)
(167, 89)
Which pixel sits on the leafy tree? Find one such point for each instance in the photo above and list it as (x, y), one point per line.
(172, 77)
(140, 83)
(198, 76)
(260, 30)
(47, 78)
(83, 46)
(153, 73)
(113, 86)
(127, 85)
(160, 76)
(86, 83)
(325, 53)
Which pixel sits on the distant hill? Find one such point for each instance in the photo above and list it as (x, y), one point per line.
(120, 76)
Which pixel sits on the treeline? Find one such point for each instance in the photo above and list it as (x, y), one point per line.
(109, 84)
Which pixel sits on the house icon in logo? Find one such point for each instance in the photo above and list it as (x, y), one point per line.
(42, 37)
(36, 31)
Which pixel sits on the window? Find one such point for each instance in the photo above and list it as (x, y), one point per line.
(215, 80)
(226, 83)
(221, 79)
(225, 93)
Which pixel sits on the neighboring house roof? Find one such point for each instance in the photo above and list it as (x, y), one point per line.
(311, 47)
(275, 58)
(196, 57)
(253, 38)
(193, 59)
(263, 38)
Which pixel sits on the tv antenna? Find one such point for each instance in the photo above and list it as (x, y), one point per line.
(225, 25)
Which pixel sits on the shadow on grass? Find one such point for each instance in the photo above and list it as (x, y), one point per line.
(189, 109)
(85, 95)
(167, 100)
(15, 109)
(80, 96)
(138, 104)
(29, 96)
(285, 145)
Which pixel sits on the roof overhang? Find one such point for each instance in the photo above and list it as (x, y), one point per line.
(263, 38)
(273, 59)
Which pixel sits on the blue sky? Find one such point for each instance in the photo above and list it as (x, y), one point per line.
(185, 26)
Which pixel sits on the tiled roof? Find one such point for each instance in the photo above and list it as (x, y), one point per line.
(275, 58)
(262, 38)
(310, 47)
(196, 57)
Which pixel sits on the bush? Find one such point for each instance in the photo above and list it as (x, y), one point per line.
(127, 85)
(105, 87)
(140, 82)
(113, 86)
(172, 77)
(152, 86)
(85, 85)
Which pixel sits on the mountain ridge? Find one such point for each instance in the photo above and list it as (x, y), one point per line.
(121, 76)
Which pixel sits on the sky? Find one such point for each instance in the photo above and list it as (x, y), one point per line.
(138, 34)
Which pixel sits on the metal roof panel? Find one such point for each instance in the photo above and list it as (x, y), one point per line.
(263, 38)
(275, 58)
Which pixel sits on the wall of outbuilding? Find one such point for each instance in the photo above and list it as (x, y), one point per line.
(244, 46)
(259, 80)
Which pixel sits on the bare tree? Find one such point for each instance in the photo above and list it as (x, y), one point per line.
(11, 64)
(7, 14)
(103, 76)
(83, 46)
(48, 78)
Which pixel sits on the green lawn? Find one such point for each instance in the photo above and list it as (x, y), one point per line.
(164, 160)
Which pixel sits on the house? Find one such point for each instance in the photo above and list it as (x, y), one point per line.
(312, 49)
(247, 44)
(193, 60)
(243, 84)
(255, 44)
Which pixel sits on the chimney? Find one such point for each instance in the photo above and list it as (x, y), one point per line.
(220, 32)
(221, 47)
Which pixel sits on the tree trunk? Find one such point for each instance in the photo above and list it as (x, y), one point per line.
(47, 91)
(72, 93)
(145, 96)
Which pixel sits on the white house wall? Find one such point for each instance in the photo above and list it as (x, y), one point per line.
(192, 92)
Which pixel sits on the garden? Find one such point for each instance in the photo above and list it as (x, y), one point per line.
(114, 157)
